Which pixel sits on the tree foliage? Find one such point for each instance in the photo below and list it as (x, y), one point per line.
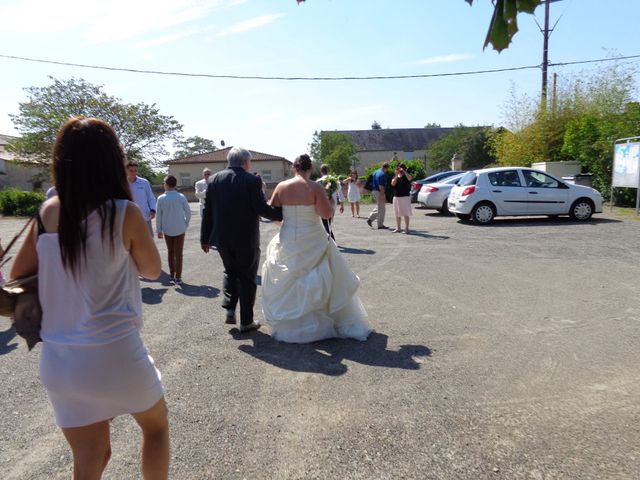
(141, 128)
(186, 147)
(504, 21)
(589, 112)
(375, 125)
(471, 144)
(335, 149)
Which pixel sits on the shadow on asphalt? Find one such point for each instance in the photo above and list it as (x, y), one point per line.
(356, 251)
(152, 296)
(514, 222)
(418, 233)
(326, 357)
(198, 290)
(5, 341)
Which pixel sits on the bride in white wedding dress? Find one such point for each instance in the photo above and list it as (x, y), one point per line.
(308, 289)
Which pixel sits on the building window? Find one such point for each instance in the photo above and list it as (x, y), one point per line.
(185, 179)
(408, 155)
(266, 175)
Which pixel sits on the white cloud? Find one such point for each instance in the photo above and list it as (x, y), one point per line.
(104, 21)
(250, 24)
(454, 57)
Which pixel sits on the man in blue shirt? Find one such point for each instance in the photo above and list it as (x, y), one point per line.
(142, 194)
(378, 190)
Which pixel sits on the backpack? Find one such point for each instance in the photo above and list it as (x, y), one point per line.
(369, 183)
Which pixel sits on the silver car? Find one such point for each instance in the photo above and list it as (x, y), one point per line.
(435, 195)
(481, 195)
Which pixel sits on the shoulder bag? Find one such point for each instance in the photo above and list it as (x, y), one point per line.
(19, 297)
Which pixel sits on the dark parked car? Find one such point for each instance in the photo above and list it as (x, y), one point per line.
(436, 177)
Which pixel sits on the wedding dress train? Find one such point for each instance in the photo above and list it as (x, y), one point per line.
(308, 289)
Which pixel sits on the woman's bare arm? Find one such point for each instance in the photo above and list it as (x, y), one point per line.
(275, 197)
(323, 206)
(26, 261)
(142, 248)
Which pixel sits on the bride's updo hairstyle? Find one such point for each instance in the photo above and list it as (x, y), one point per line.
(302, 163)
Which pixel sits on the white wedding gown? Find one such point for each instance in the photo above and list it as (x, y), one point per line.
(308, 289)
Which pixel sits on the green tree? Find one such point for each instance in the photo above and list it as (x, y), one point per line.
(470, 143)
(335, 149)
(538, 134)
(375, 125)
(314, 149)
(142, 130)
(193, 146)
(589, 140)
(433, 125)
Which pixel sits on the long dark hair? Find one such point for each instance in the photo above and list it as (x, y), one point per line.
(89, 174)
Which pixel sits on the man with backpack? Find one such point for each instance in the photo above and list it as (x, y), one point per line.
(378, 190)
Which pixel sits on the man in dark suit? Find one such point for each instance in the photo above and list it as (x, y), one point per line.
(230, 223)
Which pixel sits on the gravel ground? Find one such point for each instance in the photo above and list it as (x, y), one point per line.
(507, 351)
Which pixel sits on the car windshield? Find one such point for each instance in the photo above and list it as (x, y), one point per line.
(468, 178)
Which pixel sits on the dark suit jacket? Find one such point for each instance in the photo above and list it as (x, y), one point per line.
(232, 208)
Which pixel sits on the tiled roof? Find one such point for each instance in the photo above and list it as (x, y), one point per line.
(395, 139)
(221, 156)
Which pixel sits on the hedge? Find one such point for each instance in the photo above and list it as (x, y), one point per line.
(20, 203)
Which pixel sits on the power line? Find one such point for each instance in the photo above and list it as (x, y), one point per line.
(259, 77)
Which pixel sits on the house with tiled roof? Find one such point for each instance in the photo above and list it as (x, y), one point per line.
(380, 145)
(188, 170)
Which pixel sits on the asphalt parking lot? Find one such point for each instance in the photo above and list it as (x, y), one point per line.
(506, 351)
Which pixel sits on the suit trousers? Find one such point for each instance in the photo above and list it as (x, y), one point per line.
(327, 226)
(380, 208)
(239, 282)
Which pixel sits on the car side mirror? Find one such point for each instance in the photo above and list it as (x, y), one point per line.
(563, 185)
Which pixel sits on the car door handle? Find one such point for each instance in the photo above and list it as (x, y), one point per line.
(533, 193)
(496, 191)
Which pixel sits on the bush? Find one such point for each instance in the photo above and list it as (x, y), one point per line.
(20, 203)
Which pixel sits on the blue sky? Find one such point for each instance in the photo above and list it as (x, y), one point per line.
(315, 38)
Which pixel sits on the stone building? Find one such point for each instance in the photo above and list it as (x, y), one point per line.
(380, 145)
(188, 170)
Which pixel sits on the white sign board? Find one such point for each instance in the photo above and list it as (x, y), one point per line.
(626, 165)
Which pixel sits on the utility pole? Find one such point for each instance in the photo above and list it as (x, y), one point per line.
(546, 32)
(545, 54)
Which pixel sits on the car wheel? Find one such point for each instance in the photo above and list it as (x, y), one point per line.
(483, 213)
(445, 207)
(581, 210)
(463, 216)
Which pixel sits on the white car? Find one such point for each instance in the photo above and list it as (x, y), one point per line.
(481, 195)
(435, 195)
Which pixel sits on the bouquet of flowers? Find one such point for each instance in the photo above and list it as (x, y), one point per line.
(331, 184)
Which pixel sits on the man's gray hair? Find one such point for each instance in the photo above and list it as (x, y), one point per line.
(205, 171)
(237, 156)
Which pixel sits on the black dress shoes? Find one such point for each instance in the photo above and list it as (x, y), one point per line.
(250, 327)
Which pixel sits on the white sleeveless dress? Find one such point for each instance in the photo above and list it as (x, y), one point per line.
(308, 289)
(93, 363)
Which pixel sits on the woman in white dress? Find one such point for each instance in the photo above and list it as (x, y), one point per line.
(89, 248)
(353, 193)
(308, 289)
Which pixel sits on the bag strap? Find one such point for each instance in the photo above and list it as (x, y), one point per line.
(13, 240)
